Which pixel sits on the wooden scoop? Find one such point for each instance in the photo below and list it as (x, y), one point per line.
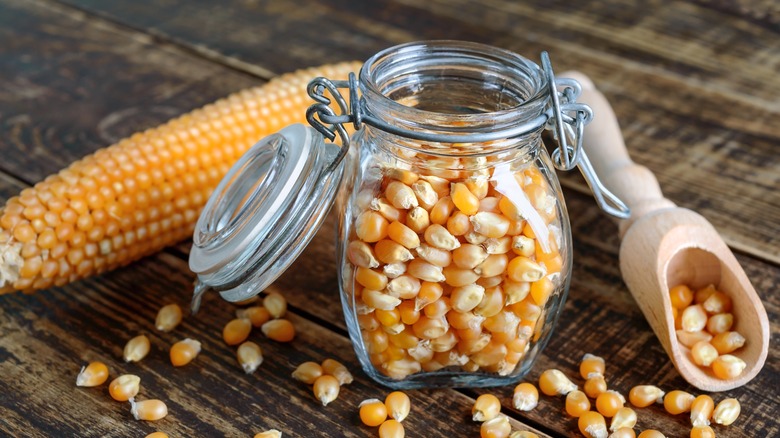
(664, 245)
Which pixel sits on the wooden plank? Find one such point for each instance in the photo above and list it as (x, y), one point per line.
(692, 107)
(71, 87)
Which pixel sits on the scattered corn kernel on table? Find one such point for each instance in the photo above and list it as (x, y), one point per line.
(696, 86)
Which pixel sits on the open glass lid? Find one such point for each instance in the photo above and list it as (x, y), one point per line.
(264, 212)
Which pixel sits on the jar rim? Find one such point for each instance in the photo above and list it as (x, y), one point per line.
(402, 59)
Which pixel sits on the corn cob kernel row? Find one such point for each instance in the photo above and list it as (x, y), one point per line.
(144, 193)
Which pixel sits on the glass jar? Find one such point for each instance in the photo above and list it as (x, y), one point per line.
(454, 241)
(456, 257)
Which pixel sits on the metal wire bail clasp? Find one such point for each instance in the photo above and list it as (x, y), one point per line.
(567, 122)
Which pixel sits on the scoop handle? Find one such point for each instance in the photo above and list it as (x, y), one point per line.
(603, 142)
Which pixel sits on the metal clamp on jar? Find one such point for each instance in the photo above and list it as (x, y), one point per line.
(454, 241)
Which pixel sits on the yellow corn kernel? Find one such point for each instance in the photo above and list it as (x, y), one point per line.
(400, 369)
(271, 433)
(720, 323)
(418, 220)
(388, 251)
(326, 389)
(183, 352)
(595, 385)
(554, 382)
(236, 331)
(492, 303)
(383, 207)
(681, 296)
(439, 308)
(435, 256)
(168, 317)
(257, 315)
(493, 266)
(398, 405)
(372, 412)
(704, 293)
(148, 410)
(458, 224)
(336, 369)
(403, 235)
(702, 432)
(400, 195)
(541, 290)
(430, 328)
(391, 429)
(440, 185)
(489, 224)
(279, 330)
(703, 353)
(408, 312)
(516, 291)
(370, 279)
(157, 435)
(129, 200)
(441, 211)
(624, 418)
(307, 372)
(727, 367)
(466, 298)
(486, 407)
(689, 339)
(438, 237)
(457, 277)
(388, 317)
(717, 302)
(577, 403)
(591, 364)
(360, 254)
(498, 427)
(609, 402)
(250, 356)
(405, 176)
(694, 318)
(651, 433)
(526, 397)
(479, 186)
(643, 396)
(371, 226)
(727, 342)
(136, 349)
(623, 432)
(592, 425)
(726, 412)
(676, 402)
(500, 245)
(124, 387)
(425, 271)
(276, 304)
(94, 374)
(463, 199)
(379, 300)
(701, 410)
(469, 256)
(426, 195)
(524, 269)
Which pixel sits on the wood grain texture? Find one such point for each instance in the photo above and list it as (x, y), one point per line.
(706, 126)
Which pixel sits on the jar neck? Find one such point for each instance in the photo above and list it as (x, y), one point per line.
(454, 88)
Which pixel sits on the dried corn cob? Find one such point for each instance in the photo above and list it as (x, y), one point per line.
(144, 193)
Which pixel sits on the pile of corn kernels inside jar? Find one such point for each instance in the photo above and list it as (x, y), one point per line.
(449, 271)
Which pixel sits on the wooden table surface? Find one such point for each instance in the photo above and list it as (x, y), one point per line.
(695, 84)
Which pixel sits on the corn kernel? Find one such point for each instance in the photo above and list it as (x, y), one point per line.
(463, 199)
(383, 207)
(643, 396)
(609, 402)
(379, 300)
(398, 405)
(371, 226)
(701, 410)
(369, 279)
(418, 220)
(720, 323)
(524, 269)
(526, 397)
(360, 254)
(271, 433)
(148, 410)
(457, 277)
(681, 296)
(676, 402)
(702, 432)
(434, 256)
(336, 369)
(458, 224)
(236, 331)
(727, 367)
(257, 315)
(401, 196)
(694, 318)
(372, 412)
(136, 348)
(441, 211)
(704, 293)
(498, 427)
(183, 352)
(466, 298)
(486, 407)
(403, 235)
(591, 364)
(703, 353)
(168, 317)
(726, 412)
(595, 386)
(624, 418)
(623, 432)
(592, 425)
(727, 342)
(94, 374)
(717, 302)
(124, 387)
(391, 429)
(439, 237)
(689, 339)
(250, 356)
(326, 389)
(490, 225)
(554, 382)
(276, 304)
(577, 403)
(158, 435)
(523, 434)
(651, 433)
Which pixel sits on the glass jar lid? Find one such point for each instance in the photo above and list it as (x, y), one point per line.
(264, 212)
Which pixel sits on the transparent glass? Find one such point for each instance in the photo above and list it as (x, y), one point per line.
(455, 257)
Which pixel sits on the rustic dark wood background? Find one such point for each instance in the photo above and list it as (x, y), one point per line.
(695, 84)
